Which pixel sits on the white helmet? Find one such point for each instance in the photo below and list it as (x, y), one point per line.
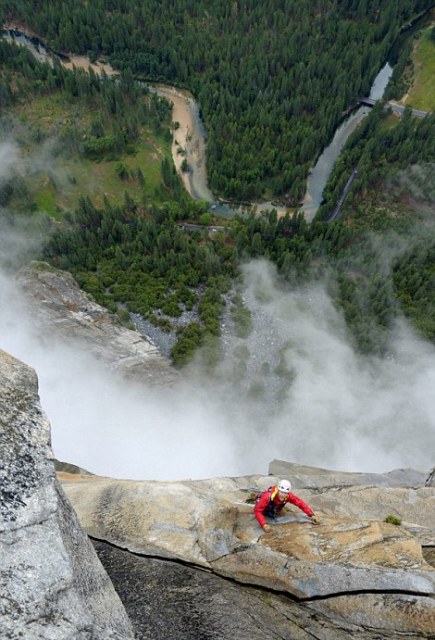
(284, 486)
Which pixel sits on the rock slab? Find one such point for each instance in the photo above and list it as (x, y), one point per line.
(207, 523)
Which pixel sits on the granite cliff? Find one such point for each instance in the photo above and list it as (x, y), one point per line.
(60, 307)
(353, 567)
(52, 584)
(187, 558)
(352, 573)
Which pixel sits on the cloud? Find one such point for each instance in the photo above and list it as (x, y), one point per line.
(294, 389)
(340, 409)
(335, 410)
(9, 160)
(105, 424)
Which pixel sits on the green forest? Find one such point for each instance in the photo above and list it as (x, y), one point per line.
(130, 244)
(272, 79)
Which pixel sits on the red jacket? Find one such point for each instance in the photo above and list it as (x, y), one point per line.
(269, 504)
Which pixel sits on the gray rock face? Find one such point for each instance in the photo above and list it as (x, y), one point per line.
(52, 585)
(169, 601)
(352, 575)
(352, 554)
(61, 306)
(310, 477)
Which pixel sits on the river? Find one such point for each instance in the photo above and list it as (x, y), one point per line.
(190, 138)
(192, 132)
(322, 170)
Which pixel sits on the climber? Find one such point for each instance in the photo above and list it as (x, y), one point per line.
(271, 502)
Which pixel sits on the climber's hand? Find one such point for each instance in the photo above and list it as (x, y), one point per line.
(267, 528)
(315, 520)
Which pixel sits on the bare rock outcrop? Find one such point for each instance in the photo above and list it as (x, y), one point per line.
(52, 584)
(314, 478)
(430, 482)
(62, 307)
(354, 574)
(401, 493)
(353, 566)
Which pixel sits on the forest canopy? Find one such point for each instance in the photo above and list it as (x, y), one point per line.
(153, 253)
(272, 79)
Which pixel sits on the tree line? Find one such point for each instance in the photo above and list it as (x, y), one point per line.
(147, 265)
(155, 268)
(119, 108)
(110, 116)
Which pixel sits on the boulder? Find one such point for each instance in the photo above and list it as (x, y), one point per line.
(60, 306)
(52, 584)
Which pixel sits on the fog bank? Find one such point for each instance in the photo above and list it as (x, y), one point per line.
(294, 389)
(340, 409)
(336, 410)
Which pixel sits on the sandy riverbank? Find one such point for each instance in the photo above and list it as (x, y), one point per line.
(188, 142)
(82, 62)
(185, 141)
(71, 60)
(189, 139)
(183, 134)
